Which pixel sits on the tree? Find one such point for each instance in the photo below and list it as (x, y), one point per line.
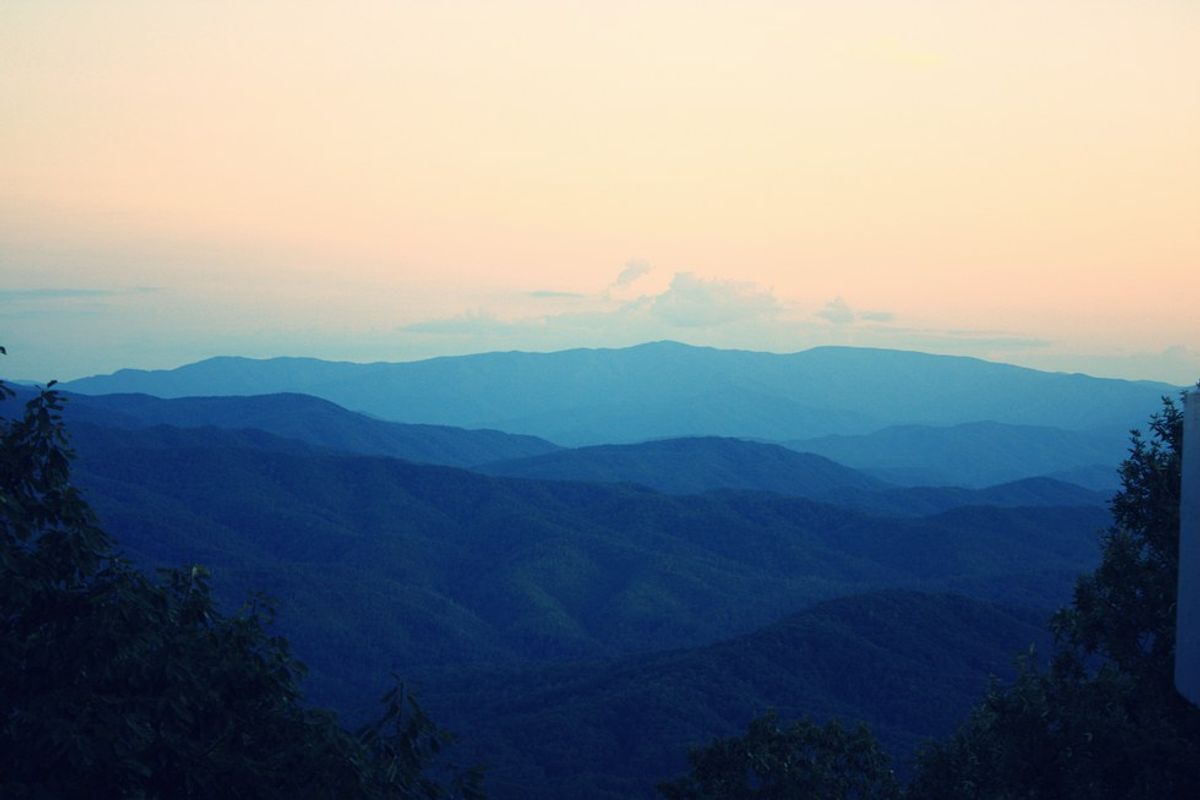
(1125, 610)
(116, 685)
(802, 760)
(1103, 719)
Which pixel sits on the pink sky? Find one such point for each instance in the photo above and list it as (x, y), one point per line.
(390, 180)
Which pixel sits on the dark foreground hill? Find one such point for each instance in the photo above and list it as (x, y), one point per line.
(435, 566)
(666, 389)
(909, 664)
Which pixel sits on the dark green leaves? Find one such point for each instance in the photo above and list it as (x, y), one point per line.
(114, 685)
(801, 760)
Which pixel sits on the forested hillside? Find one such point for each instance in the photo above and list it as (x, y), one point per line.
(305, 419)
(581, 625)
(443, 570)
(690, 466)
(910, 664)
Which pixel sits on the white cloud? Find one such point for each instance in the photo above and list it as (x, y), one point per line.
(839, 312)
(721, 313)
(633, 270)
(1178, 364)
(468, 323)
(691, 302)
(551, 294)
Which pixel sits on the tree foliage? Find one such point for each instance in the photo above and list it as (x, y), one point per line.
(801, 760)
(1102, 720)
(113, 684)
(1125, 610)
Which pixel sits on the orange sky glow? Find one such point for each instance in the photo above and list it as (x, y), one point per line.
(392, 180)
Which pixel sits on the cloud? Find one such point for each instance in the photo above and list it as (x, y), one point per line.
(1009, 342)
(68, 304)
(718, 313)
(983, 343)
(469, 323)
(839, 312)
(52, 294)
(1178, 364)
(712, 312)
(633, 270)
(691, 302)
(877, 316)
(17, 295)
(986, 338)
(548, 294)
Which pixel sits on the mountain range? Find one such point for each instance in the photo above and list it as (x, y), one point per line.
(305, 419)
(473, 567)
(516, 605)
(667, 389)
(587, 561)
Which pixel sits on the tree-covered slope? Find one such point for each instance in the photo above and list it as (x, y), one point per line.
(435, 565)
(306, 419)
(690, 466)
(114, 684)
(909, 664)
(924, 500)
(694, 465)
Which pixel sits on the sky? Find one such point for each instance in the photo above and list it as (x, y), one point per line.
(392, 180)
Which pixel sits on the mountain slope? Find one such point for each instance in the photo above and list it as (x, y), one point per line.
(306, 419)
(688, 466)
(441, 566)
(666, 389)
(923, 500)
(909, 664)
(693, 465)
(975, 454)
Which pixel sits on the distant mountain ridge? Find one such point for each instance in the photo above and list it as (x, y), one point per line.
(306, 419)
(679, 466)
(667, 389)
(977, 454)
(699, 464)
(691, 465)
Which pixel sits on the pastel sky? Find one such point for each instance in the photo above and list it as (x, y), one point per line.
(389, 180)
